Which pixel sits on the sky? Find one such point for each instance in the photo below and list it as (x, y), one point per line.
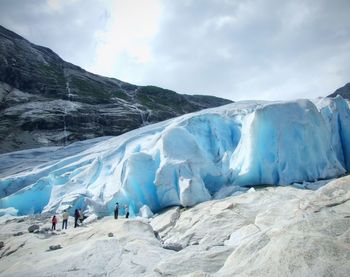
(235, 49)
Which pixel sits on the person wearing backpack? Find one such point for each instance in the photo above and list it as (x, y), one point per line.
(116, 210)
(65, 219)
(126, 211)
(76, 218)
(54, 222)
(81, 216)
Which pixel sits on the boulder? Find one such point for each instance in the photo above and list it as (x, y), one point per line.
(44, 230)
(33, 228)
(173, 246)
(55, 247)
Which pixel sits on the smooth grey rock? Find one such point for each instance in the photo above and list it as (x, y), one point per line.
(55, 247)
(44, 230)
(173, 246)
(33, 228)
(275, 231)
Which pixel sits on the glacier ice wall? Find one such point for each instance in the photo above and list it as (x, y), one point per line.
(184, 161)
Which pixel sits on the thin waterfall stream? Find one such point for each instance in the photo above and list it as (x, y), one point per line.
(65, 114)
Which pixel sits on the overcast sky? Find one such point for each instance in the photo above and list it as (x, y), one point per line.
(236, 49)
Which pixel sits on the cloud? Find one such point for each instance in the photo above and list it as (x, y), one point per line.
(243, 49)
(126, 38)
(253, 49)
(67, 27)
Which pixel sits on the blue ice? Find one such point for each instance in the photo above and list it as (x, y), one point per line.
(184, 161)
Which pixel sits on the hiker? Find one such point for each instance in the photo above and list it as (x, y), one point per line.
(81, 216)
(65, 219)
(76, 218)
(126, 211)
(53, 221)
(116, 210)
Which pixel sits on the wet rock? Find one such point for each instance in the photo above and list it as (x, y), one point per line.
(2, 244)
(55, 247)
(18, 234)
(33, 228)
(110, 235)
(173, 246)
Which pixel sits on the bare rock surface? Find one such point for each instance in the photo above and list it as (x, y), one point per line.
(46, 101)
(33, 228)
(272, 231)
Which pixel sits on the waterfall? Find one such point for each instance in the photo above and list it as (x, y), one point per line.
(68, 90)
(65, 114)
(144, 115)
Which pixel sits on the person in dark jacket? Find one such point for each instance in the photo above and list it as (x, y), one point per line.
(116, 210)
(81, 216)
(54, 222)
(76, 218)
(126, 211)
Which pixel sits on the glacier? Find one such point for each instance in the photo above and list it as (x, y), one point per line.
(183, 161)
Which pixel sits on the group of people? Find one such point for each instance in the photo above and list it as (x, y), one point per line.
(78, 216)
(116, 211)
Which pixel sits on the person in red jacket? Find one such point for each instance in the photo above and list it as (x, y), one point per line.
(53, 221)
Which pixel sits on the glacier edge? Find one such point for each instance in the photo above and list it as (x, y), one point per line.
(186, 160)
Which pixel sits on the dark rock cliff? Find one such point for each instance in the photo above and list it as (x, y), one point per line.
(343, 91)
(46, 101)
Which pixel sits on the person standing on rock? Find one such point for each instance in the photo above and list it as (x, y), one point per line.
(76, 218)
(65, 219)
(81, 216)
(126, 211)
(116, 210)
(54, 222)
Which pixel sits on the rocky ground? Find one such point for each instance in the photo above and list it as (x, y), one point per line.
(272, 231)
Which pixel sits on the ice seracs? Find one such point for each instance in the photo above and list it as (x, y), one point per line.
(186, 160)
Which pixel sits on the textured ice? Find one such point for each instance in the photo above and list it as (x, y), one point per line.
(145, 212)
(183, 161)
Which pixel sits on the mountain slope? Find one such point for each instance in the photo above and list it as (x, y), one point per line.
(343, 91)
(47, 101)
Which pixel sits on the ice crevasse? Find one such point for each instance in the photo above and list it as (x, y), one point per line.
(185, 160)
